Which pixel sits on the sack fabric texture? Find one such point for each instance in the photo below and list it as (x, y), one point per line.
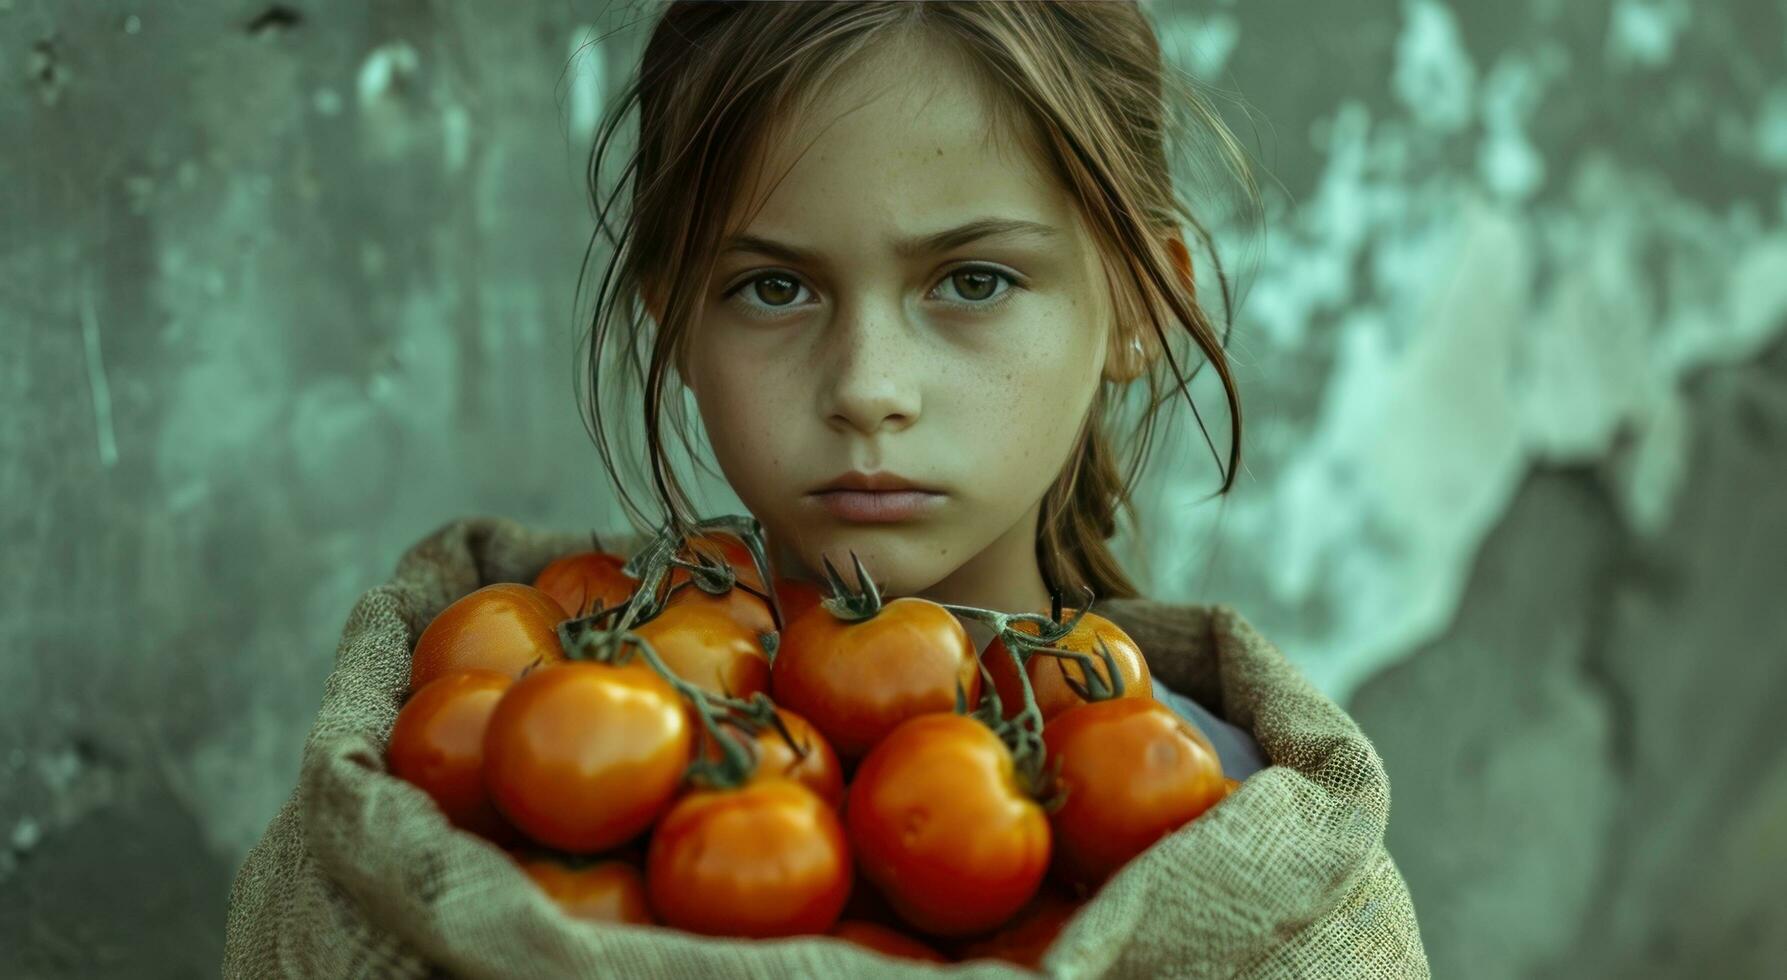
(359, 874)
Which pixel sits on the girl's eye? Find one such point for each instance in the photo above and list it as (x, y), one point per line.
(976, 285)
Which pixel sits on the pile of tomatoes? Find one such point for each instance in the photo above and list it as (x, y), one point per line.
(667, 742)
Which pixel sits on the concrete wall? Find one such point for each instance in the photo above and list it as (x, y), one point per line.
(284, 287)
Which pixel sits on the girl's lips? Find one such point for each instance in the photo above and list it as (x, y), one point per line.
(877, 506)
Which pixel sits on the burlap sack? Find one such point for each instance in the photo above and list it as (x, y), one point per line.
(359, 874)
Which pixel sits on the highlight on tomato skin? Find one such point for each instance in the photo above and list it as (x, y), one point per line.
(1129, 772)
(580, 581)
(764, 860)
(940, 825)
(583, 756)
(505, 627)
(437, 744)
(599, 891)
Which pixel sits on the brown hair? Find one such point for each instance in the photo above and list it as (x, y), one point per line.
(1083, 79)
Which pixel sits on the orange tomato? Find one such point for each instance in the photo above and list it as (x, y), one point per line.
(940, 825)
(766, 859)
(707, 648)
(856, 681)
(1132, 772)
(886, 940)
(604, 891)
(584, 755)
(743, 608)
(1027, 937)
(438, 745)
(813, 765)
(577, 582)
(1049, 675)
(503, 627)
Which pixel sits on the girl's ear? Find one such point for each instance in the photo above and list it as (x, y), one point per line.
(1133, 346)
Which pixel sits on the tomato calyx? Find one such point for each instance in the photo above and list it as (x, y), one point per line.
(845, 602)
(1095, 687)
(739, 756)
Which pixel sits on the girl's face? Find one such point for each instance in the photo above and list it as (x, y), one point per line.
(855, 331)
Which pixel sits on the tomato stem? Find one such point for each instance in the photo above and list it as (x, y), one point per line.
(750, 531)
(1022, 732)
(586, 638)
(851, 604)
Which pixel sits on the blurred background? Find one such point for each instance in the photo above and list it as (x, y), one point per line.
(284, 287)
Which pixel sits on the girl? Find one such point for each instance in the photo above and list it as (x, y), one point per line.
(907, 258)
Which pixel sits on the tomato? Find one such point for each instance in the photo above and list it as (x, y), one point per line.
(1132, 772)
(814, 765)
(718, 546)
(886, 940)
(1049, 675)
(504, 627)
(603, 891)
(438, 745)
(855, 681)
(797, 596)
(702, 645)
(1229, 786)
(939, 824)
(766, 859)
(579, 581)
(743, 608)
(584, 755)
(1027, 937)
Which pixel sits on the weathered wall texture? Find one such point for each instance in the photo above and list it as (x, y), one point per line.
(284, 287)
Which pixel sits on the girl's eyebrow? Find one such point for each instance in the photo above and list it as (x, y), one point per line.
(910, 248)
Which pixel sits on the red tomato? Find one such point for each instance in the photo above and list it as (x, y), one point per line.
(886, 940)
(605, 891)
(1049, 675)
(1027, 937)
(1132, 772)
(797, 596)
(702, 645)
(939, 824)
(504, 627)
(855, 681)
(814, 765)
(438, 745)
(584, 755)
(579, 581)
(766, 859)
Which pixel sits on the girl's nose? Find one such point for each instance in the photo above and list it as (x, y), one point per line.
(874, 370)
